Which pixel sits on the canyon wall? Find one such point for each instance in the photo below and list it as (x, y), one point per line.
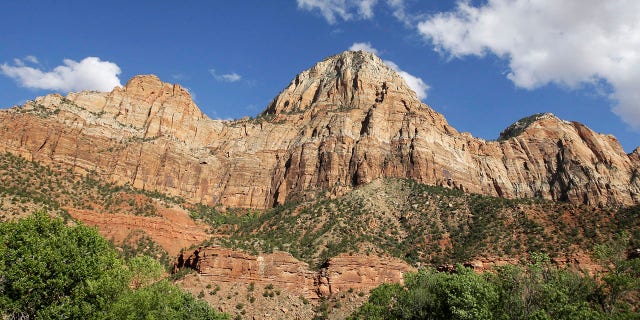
(346, 121)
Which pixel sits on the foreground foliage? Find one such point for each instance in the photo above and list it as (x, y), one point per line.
(51, 271)
(536, 291)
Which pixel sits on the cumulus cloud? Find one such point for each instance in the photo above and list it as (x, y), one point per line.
(415, 83)
(570, 43)
(90, 73)
(227, 77)
(332, 10)
(399, 11)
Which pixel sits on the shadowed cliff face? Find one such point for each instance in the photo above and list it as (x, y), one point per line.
(345, 122)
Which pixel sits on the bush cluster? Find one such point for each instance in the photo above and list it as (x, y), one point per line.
(52, 271)
(537, 291)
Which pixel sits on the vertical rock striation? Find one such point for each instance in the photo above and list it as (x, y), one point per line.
(345, 122)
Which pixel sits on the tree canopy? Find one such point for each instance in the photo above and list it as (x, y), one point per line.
(536, 291)
(49, 270)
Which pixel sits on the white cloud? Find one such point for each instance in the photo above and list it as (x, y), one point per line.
(331, 10)
(31, 59)
(231, 77)
(228, 77)
(399, 11)
(365, 8)
(347, 10)
(569, 42)
(364, 46)
(21, 62)
(89, 74)
(415, 83)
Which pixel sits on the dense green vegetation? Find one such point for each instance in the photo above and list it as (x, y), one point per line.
(52, 271)
(537, 291)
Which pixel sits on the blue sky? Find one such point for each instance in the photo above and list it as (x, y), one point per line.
(486, 63)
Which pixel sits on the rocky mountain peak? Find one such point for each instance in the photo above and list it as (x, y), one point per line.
(345, 122)
(521, 125)
(150, 86)
(352, 79)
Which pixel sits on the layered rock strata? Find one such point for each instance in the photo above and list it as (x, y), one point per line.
(339, 274)
(348, 120)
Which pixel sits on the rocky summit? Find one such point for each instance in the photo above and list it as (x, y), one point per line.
(345, 122)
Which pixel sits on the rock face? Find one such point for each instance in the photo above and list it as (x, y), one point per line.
(280, 269)
(348, 120)
(172, 230)
(361, 273)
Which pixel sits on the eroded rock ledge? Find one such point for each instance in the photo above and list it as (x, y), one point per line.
(339, 274)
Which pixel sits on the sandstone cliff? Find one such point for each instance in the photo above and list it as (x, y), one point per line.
(339, 274)
(348, 120)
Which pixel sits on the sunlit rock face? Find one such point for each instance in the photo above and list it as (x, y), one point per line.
(346, 121)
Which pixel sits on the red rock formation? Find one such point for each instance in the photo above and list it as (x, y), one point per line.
(345, 122)
(173, 230)
(360, 273)
(340, 273)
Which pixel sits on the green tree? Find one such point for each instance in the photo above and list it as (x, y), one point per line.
(380, 304)
(50, 270)
(433, 295)
(160, 301)
(438, 295)
(143, 271)
(537, 291)
(620, 286)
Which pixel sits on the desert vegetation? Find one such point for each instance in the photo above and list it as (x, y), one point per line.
(424, 225)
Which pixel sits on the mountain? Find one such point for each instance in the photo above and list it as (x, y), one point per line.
(346, 180)
(345, 122)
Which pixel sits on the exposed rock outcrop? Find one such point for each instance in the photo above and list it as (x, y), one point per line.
(280, 269)
(172, 230)
(348, 120)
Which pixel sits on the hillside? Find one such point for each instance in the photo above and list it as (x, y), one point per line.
(433, 225)
(336, 236)
(136, 220)
(346, 180)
